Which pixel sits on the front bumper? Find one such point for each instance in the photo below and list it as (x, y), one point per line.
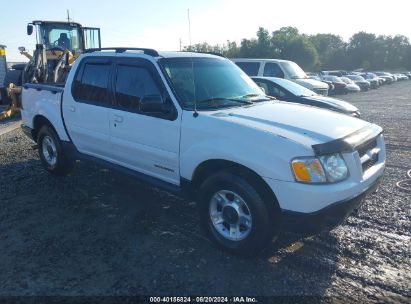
(327, 218)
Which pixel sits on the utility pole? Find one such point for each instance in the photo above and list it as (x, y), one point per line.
(180, 44)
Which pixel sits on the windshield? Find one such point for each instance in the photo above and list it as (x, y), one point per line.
(346, 80)
(60, 36)
(333, 78)
(217, 82)
(293, 70)
(355, 77)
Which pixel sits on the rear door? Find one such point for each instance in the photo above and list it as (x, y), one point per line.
(86, 107)
(146, 142)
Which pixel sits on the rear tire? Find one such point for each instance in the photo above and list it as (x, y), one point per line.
(52, 155)
(235, 215)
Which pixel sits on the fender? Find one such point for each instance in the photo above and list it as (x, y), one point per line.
(44, 100)
(264, 162)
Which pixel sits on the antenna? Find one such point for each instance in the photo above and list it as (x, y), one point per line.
(189, 28)
(68, 16)
(195, 114)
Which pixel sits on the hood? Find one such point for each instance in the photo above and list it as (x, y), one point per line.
(305, 125)
(311, 83)
(353, 86)
(333, 102)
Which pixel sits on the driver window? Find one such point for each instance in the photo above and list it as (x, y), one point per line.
(263, 86)
(276, 92)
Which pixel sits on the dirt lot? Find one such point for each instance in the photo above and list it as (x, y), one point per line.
(97, 232)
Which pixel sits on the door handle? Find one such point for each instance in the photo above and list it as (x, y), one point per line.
(118, 118)
(72, 109)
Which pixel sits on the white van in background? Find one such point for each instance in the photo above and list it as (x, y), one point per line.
(281, 69)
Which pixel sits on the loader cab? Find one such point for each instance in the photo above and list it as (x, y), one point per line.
(65, 36)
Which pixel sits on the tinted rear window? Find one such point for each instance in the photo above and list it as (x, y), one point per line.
(250, 68)
(272, 69)
(91, 83)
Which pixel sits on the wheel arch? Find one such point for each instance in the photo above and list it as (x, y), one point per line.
(212, 166)
(38, 122)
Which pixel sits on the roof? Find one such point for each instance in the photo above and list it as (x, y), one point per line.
(169, 54)
(59, 22)
(129, 52)
(258, 60)
(2, 46)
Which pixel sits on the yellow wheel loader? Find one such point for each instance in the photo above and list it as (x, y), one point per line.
(58, 45)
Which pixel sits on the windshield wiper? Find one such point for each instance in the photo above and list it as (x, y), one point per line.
(250, 95)
(266, 98)
(242, 101)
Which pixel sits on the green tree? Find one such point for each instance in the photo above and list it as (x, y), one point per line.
(360, 49)
(302, 51)
(330, 49)
(320, 51)
(281, 38)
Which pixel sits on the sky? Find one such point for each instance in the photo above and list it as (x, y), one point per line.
(160, 24)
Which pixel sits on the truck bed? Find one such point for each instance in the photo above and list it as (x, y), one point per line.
(43, 100)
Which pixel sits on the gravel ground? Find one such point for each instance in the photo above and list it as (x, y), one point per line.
(97, 232)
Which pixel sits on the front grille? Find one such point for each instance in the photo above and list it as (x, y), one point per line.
(369, 163)
(363, 149)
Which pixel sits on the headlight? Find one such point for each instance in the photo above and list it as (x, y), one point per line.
(322, 169)
(334, 167)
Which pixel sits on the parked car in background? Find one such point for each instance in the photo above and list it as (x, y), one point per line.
(340, 87)
(316, 77)
(388, 78)
(401, 77)
(281, 69)
(373, 79)
(360, 81)
(338, 73)
(286, 90)
(351, 86)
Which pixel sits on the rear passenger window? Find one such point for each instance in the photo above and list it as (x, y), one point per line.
(273, 70)
(133, 83)
(250, 68)
(91, 84)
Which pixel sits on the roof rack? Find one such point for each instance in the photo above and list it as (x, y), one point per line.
(211, 53)
(149, 52)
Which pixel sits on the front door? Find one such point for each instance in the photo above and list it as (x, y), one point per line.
(146, 142)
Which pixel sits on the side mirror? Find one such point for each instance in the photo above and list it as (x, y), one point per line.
(152, 104)
(22, 49)
(29, 29)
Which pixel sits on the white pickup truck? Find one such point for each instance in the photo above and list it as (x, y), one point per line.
(195, 124)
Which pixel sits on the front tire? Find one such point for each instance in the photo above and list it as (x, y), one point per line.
(51, 152)
(235, 215)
